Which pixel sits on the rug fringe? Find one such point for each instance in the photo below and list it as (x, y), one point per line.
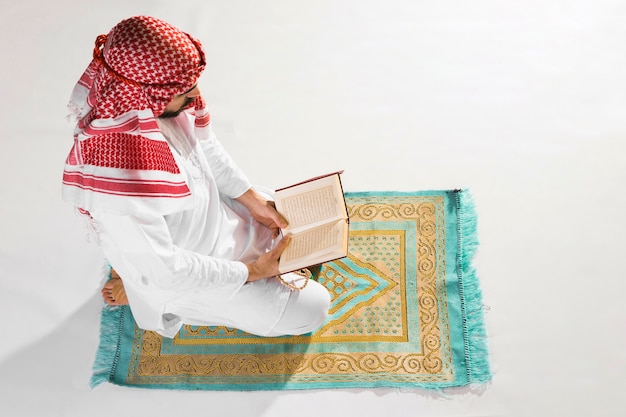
(476, 350)
(108, 350)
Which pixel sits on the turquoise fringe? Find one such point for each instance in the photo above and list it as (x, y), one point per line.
(476, 350)
(108, 352)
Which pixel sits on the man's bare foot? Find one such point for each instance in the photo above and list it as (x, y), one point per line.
(113, 291)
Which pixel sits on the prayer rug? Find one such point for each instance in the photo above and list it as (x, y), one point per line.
(406, 312)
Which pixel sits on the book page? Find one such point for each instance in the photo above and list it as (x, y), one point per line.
(310, 207)
(311, 241)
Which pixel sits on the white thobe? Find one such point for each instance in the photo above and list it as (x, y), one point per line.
(187, 267)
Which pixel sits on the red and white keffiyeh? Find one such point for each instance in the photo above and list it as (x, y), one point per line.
(120, 161)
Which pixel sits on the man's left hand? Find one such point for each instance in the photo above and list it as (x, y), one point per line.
(263, 211)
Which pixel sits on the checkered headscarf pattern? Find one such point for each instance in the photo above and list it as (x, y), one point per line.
(130, 152)
(143, 63)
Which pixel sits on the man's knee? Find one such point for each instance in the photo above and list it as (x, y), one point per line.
(306, 310)
(317, 306)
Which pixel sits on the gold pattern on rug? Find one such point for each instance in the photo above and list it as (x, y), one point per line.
(397, 253)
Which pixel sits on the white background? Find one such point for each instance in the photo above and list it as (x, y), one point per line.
(522, 102)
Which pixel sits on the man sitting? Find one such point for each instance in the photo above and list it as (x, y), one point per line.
(192, 241)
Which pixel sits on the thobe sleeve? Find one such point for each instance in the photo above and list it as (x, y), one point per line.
(230, 179)
(142, 245)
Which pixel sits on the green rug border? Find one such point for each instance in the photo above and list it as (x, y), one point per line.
(475, 366)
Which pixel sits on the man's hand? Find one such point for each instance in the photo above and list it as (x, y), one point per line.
(263, 211)
(266, 265)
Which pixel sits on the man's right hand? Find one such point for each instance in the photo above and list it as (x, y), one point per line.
(266, 265)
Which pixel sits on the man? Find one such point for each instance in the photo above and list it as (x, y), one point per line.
(191, 240)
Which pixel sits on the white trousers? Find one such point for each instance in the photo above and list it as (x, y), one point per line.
(305, 310)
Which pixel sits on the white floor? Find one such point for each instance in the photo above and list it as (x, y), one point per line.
(522, 102)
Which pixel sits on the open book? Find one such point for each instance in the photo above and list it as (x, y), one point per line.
(318, 222)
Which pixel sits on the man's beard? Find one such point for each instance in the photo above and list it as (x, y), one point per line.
(174, 113)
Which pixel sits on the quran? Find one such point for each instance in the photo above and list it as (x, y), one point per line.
(318, 222)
